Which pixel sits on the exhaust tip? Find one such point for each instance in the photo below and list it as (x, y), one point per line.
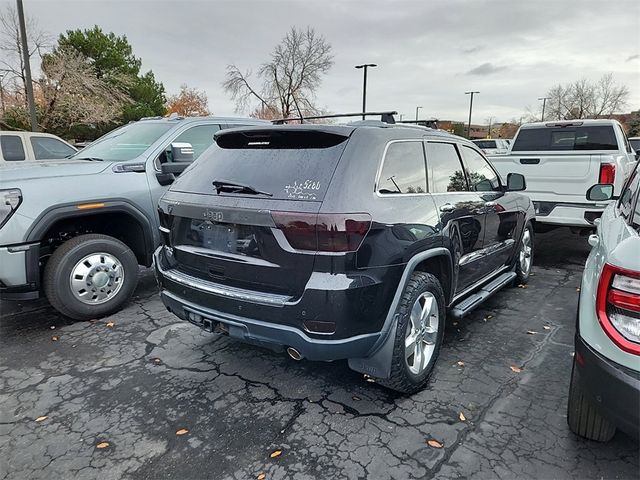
(295, 354)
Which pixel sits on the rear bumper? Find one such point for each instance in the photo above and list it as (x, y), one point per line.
(267, 334)
(20, 272)
(278, 321)
(567, 214)
(612, 388)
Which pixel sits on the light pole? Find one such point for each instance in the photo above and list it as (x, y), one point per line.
(470, 108)
(2, 75)
(27, 67)
(417, 108)
(364, 86)
(544, 104)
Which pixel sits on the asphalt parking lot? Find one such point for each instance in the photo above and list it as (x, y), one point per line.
(132, 381)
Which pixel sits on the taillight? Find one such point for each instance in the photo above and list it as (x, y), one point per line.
(607, 173)
(618, 307)
(326, 232)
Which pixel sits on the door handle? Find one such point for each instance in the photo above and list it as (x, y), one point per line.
(447, 207)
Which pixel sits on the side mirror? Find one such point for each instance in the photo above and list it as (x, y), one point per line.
(516, 182)
(600, 192)
(181, 152)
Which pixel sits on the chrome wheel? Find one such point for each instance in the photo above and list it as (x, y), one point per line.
(526, 250)
(422, 333)
(96, 278)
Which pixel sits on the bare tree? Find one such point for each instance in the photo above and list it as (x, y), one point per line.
(69, 94)
(586, 99)
(11, 58)
(288, 81)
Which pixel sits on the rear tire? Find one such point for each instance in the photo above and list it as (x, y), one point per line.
(524, 255)
(583, 419)
(90, 276)
(421, 319)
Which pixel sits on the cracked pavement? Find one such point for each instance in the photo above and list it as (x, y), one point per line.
(135, 384)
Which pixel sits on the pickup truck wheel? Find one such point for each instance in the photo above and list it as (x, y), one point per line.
(421, 317)
(524, 255)
(90, 276)
(583, 419)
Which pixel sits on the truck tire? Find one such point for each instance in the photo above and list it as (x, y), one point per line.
(583, 419)
(90, 276)
(524, 255)
(421, 318)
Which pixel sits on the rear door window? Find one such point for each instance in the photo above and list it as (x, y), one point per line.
(444, 168)
(403, 169)
(486, 143)
(288, 164)
(45, 148)
(625, 204)
(12, 149)
(597, 137)
(482, 178)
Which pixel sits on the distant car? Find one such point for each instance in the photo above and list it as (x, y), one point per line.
(635, 143)
(605, 381)
(493, 146)
(23, 146)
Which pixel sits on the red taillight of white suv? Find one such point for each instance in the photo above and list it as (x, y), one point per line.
(334, 232)
(618, 306)
(607, 173)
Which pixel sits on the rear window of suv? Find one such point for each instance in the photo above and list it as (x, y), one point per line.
(290, 165)
(599, 137)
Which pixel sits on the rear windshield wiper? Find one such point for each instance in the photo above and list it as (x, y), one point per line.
(91, 159)
(224, 186)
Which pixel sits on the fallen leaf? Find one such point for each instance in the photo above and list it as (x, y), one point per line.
(157, 360)
(455, 323)
(371, 380)
(52, 327)
(434, 443)
(578, 289)
(356, 398)
(55, 338)
(182, 431)
(531, 332)
(522, 286)
(547, 327)
(276, 453)
(262, 476)
(515, 369)
(489, 316)
(460, 363)
(102, 445)
(42, 418)
(462, 417)
(110, 324)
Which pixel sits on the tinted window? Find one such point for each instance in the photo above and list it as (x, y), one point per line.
(482, 178)
(635, 143)
(45, 148)
(12, 149)
(445, 169)
(485, 143)
(200, 138)
(625, 204)
(403, 170)
(293, 164)
(567, 138)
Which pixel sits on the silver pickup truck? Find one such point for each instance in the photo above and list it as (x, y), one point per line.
(561, 160)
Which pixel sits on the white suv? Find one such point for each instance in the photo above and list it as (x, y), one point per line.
(605, 381)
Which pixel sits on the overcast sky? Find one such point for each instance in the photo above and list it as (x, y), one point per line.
(429, 52)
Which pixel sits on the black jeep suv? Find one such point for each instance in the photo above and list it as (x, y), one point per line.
(341, 242)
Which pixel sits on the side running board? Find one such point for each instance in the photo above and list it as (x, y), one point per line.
(465, 306)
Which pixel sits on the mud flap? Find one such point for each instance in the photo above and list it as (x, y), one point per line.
(379, 364)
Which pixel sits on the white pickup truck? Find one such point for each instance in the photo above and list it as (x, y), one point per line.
(560, 160)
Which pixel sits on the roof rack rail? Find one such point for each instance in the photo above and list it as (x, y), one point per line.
(431, 122)
(386, 117)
